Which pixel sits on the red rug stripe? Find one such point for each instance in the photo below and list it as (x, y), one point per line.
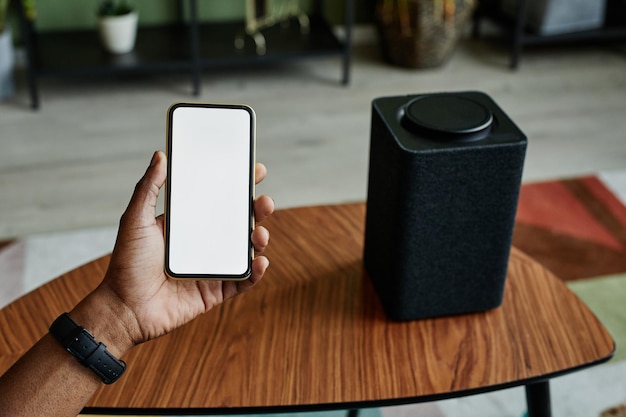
(575, 227)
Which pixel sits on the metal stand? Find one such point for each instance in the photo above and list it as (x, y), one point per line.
(538, 399)
(187, 46)
(614, 28)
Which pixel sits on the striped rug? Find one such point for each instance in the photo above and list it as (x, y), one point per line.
(576, 228)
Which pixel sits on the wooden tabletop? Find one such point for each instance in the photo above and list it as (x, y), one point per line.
(313, 334)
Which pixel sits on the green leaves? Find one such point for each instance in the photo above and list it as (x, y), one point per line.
(113, 8)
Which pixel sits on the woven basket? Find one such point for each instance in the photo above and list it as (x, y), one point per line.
(421, 33)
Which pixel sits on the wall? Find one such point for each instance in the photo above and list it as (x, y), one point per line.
(65, 14)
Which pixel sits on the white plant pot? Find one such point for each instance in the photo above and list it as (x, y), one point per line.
(7, 61)
(118, 33)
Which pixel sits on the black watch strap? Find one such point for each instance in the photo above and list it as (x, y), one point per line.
(91, 353)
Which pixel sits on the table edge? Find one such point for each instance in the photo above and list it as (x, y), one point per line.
(277, 409)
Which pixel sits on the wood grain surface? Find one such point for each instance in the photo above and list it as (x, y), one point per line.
(313, 333)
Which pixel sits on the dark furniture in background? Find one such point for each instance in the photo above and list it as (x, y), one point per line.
(614, 27)
(185, 46)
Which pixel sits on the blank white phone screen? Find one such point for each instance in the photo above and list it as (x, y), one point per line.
(210, 183)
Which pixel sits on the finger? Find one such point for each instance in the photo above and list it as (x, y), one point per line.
(233, 288)
(259, 266)
(260, 238)
(260, 172)
(263, 208)
(141, 210)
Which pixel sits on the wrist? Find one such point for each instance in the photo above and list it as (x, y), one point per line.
(108, 319)
(90, 352)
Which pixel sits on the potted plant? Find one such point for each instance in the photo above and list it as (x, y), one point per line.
(117, 24)
(421, 33)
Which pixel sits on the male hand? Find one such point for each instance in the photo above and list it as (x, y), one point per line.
(141, 300)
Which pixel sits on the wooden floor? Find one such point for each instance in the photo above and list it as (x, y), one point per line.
(74, 163)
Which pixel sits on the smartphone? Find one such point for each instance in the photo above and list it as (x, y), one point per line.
(209, 195)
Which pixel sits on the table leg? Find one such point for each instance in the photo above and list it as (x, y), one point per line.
(347, 48)
(353, 413)
(538, 399)
(518, 34)
(194, 32)
(28, 39)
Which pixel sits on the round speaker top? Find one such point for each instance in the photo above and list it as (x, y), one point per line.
(448, 116)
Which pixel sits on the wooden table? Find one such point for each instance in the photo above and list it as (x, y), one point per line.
(313, 335)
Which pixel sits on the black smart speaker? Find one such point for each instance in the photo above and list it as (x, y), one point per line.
(444, 177)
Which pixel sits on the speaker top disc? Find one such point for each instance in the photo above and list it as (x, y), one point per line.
(448, 115)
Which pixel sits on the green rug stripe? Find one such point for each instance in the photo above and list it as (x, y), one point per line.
(605, 297)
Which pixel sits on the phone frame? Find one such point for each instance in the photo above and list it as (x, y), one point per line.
(251, 192)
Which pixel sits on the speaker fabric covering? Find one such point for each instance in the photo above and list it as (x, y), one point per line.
(440, 207)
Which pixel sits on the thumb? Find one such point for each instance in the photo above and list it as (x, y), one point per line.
(141, 210)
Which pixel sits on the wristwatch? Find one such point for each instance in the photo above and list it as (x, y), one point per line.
(89, 352)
